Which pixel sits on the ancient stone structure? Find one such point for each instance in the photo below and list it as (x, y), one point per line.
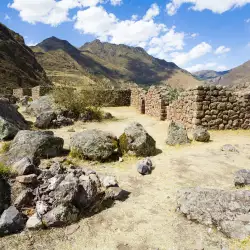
(18, 93)
(156, 101)
(40, 91)
(212, 107)
(138, 99)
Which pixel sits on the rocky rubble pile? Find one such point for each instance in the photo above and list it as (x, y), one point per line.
(54, 197)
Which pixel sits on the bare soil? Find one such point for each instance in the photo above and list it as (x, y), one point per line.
(148, 219)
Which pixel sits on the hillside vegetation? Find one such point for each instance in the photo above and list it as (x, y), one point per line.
(18, 65)
(106, 64)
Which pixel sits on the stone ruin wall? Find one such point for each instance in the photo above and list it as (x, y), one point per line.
(18, 93)
(138, 99)
(39, 91)
(156, 102)
(212, 107)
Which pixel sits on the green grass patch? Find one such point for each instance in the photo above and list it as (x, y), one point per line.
(5, 147)
(75, 154)
(4, 170)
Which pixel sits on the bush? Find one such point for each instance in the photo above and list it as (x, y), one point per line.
(174, 94)
(5, 147)
(83, 101)
(4, 170)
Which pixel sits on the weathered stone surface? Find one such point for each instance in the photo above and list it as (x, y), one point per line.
(136, 141)
(227, 210)
(44, 120)
(229, 148)
(95, 145)
(115, 193)
(201, 134)
(5, 195)
(176, 134)
(60, 216)
(27, 179)
(145, 166)
(34, 222)
(242, 177)
(24, 199)
(42, 105)
(11, 121)
(108, 181)
(24, 167)
(11, 221)
(34, 144)
(61, 121)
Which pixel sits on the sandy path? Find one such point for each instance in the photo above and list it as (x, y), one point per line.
(147, 219)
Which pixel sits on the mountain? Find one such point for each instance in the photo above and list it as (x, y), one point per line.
(18, 65)
(209, 74)
(238, 77)
(107, 64)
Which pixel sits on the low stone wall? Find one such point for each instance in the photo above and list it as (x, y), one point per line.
(40, 91)
(18, 93)
(138, 99)
(212, 107)
(156, 102)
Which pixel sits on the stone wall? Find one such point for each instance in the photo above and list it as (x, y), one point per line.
(18, 93)
(213, 107)
(156, 102)
(138, 99)
(40, 91)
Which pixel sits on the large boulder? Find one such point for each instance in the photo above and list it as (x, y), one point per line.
(94, 144)
(201, 134)
(177, 134)
(35, 145)
(44, 120)
(11, 121)
(42, 105)
(5, 194)
(242, 177)
(136, 141)
(11, 221)
(227, 210)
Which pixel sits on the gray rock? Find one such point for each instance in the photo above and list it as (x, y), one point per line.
(60, 216)
(242, 177)
(108, 181)
(115, 193)
(177, 134)
(201, 134)
(11, 121)
(42, 105)
(11, 221)
(145, 166)
(34, 222)
(107, 116)
(27, 179)
(41, 208)
(227, 210)
(61, 121)
(44, 120)
(136, 141)
(229, 148)
(24, 166)
(35, 145)
(24, 101)
(95, 145)
(24, 199)
(5, 195)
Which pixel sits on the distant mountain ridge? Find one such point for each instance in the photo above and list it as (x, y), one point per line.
(109, 64)
(209, 74)
(18, 65)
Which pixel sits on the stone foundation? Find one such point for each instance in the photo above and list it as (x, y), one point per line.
(40, 91)
(18, 93)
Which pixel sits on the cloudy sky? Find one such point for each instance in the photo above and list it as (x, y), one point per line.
(195, 34)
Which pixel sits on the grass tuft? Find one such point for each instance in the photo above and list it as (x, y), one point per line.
(5, 147)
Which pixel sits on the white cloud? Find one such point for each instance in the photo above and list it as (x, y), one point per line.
(194, 35)
(31, 43)
(116, 2)
(206, 66)
(222, 50)
(247, 20)
(200, 5)
(7, 17)
(152, 12)
(48, 11)
(196, 52)
(134, 17)
(98, 22)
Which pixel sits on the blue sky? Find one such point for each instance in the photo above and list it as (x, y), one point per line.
(195, 34)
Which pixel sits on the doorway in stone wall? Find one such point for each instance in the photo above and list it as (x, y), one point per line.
(143, 106)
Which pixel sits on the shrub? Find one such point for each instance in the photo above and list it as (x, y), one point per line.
(5, 147)
(4, 170)
(74, 153)
(174, 93)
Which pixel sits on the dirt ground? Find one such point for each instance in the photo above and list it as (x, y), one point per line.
(147, 220)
